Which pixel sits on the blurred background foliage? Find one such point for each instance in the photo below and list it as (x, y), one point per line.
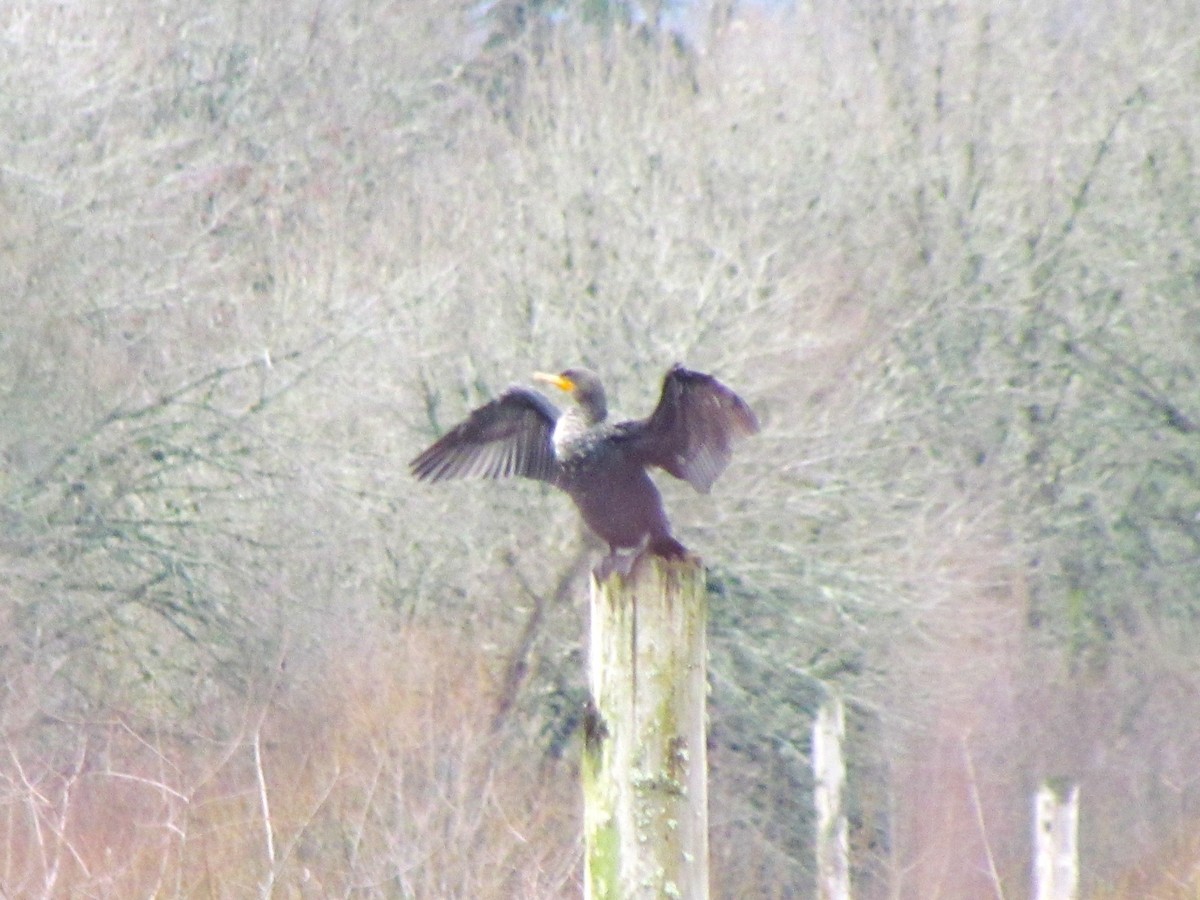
(254, 256)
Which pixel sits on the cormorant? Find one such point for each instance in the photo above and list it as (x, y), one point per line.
(599, 464)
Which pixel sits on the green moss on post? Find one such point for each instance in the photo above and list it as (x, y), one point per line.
(645, 778)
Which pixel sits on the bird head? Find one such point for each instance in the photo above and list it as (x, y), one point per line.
(584, 387)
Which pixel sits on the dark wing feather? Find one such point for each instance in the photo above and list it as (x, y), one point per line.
(691, 432)
(510, 436)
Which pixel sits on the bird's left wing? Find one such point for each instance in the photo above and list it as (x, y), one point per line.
(510, 436)
(691, 432)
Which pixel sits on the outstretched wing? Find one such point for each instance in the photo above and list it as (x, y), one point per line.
(692, 430)
(510, 436)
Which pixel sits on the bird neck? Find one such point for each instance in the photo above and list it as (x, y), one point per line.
(593, 412)
(590, 402)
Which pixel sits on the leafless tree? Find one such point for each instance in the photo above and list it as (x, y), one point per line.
(253, 257)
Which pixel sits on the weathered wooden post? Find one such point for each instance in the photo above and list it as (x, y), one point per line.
(645, 772)
(829, 776)
(1055, 837)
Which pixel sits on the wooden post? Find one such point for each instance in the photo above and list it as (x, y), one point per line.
(645, 772)
(1055, 836)
(829, 776)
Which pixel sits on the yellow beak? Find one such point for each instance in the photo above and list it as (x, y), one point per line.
(559, 381)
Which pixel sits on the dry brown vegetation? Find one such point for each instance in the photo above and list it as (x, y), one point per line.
(253, 256)
(371, 776)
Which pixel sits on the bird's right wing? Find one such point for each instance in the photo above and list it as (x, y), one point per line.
(510, 436)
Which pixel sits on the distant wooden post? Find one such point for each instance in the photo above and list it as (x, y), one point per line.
(829, 776)
(1056, 836)
(645, 772)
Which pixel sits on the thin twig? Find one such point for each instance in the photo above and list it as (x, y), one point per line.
(977, 806)
(268, 831)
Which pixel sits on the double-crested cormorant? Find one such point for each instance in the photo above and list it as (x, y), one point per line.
(601, 465)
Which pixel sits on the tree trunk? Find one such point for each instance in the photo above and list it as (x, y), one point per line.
(645, 777)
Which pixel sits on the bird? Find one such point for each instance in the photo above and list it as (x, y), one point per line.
(601, 465)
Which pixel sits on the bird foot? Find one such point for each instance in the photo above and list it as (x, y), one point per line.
(625, 563)
(621, 563)
(668, 548)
